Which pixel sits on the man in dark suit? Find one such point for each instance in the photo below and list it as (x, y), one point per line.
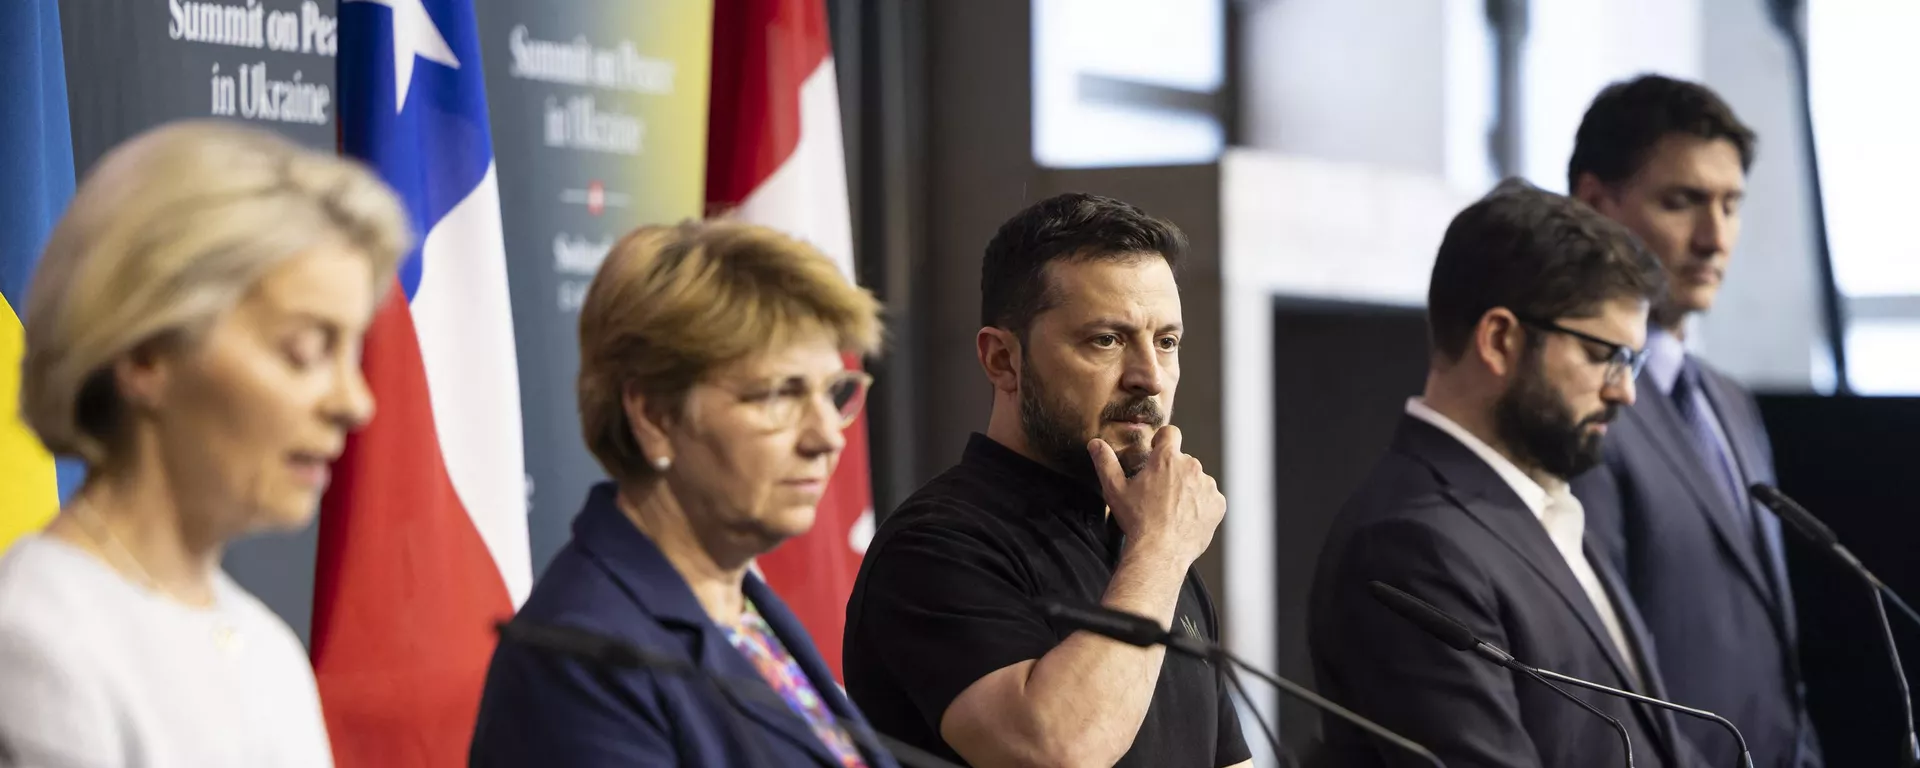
(1669, 506)
(1536, 311)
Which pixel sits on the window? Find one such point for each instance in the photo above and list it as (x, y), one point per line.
(1862, 66)
(1127, 82)
(1576, 47)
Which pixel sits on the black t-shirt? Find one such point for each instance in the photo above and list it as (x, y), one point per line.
(948, 593)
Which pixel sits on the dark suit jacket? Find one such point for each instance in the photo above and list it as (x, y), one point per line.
(1727, 641)
(542, 710)
(1435, 520)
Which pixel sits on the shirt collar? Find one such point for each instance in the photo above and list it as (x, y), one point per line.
(1666, 353)
(1531, 492)
(1054, 490)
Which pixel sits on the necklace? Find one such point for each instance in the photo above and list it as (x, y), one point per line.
(89, 520)
(225, 637)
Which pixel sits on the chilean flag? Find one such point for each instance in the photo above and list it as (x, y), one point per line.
(774, 157)
(423, 534)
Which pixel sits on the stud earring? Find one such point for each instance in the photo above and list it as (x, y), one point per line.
(662, 463)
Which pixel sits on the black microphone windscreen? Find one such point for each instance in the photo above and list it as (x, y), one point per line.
(1447, 628)
(1107, 622)
(1795, 515)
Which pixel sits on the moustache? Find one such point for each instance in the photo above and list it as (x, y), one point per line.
(1605, 416)
(1143, 408)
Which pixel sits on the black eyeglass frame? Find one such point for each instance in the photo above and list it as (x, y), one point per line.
(1621, 359)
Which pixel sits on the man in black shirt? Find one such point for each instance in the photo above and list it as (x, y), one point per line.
(1078, 491)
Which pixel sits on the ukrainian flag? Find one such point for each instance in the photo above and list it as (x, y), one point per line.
(36, 179)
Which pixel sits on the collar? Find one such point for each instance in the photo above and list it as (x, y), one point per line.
(1048, 489)
(1535, 495)
(1666, 353)
(634, 561)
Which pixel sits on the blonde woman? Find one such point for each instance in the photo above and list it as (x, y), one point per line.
(714, 392)
(193, 335)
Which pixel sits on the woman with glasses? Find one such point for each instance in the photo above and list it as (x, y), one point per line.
(193, 336)
(714, 390)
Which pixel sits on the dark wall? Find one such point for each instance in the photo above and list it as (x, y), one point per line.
(980, 170)
(1342, 376)
(1846, 460)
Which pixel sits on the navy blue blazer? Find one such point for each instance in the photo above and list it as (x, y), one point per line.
(540, 709)
(1723, 615)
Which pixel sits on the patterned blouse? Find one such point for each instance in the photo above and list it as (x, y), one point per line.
(755, 640)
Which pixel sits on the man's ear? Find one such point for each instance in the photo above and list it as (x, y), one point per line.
(1498, 340)
(647, 419)
(999, 353)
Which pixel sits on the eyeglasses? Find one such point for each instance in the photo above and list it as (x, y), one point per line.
(780, 402)
(1623, 362)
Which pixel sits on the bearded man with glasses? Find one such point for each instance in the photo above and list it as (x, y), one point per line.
(1537, 313)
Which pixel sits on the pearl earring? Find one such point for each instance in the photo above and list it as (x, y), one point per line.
(662, 463)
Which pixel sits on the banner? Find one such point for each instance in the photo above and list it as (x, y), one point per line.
(599, 126)
(134, 65)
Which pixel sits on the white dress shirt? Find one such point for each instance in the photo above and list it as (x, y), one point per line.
(1554, 505)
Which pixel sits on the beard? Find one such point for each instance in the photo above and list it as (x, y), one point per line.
(1542, 430)
(1053, 428)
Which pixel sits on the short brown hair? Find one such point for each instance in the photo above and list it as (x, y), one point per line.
(672, 303)
(1540, 255)
(1629, 118)
(1071, 227)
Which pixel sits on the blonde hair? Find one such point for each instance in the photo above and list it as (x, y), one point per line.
(672, 303)
(167, 232)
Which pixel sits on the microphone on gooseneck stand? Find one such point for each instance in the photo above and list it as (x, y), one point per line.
(1144, 632)
(1457, 635)
(1817, 532)
(615, 653)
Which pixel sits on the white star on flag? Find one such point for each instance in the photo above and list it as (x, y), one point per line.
(413, 35)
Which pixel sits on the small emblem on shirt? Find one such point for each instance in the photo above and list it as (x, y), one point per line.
(1192, 630)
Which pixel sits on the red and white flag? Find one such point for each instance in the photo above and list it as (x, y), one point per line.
(423, 534)
(774, 158)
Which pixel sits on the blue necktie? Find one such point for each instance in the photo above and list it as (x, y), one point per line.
(1691, 400)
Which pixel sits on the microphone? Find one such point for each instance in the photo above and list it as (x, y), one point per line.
(1457, 635)
(1144, 632)
(1817, 532)
(615, 653)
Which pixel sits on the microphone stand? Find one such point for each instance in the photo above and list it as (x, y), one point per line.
(1506, 660)
(1798, 518)
(1143, 632)
(1219, 655)
(1912, 750)
(1541, 675)
(1458, 636)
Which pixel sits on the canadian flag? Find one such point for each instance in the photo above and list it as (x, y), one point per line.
(774, 157)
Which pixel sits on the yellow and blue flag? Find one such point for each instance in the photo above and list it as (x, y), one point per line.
(36, 180)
